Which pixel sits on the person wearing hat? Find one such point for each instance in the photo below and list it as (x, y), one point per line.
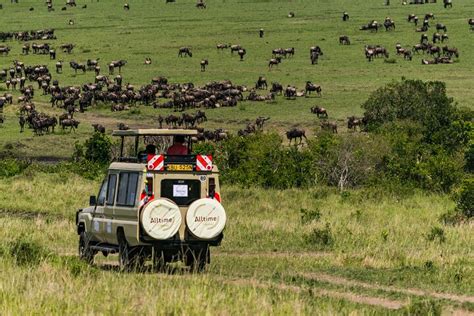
(178, 147)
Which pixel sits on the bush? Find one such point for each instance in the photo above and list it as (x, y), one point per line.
(465, 201)
(10, 167)
(436, 233)
(320, 236)
(96, 149)
(26, 252)
(307, 216)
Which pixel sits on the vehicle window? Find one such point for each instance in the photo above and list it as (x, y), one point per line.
(102, 192)
(127, 191)
(111, 189)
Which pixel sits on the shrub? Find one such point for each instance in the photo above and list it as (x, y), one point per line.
(320, 236)
(436, 233)
(96, 149)
(307, 216)
(26, 252)
(465, 201)
(10, 167)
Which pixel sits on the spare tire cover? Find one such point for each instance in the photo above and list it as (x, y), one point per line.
(161, 219)
(206, 218)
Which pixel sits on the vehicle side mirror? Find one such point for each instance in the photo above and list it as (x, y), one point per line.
(92, 200)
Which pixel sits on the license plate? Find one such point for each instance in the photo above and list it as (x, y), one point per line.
(179, 167)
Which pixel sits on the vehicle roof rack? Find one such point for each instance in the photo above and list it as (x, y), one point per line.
(155, 132)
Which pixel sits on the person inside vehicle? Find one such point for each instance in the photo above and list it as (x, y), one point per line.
(149, 150)
(178, 147)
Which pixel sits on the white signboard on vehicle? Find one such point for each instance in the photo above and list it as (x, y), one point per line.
(180, 190)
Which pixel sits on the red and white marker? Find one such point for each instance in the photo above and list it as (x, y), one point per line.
(203, 163)
(156, 162)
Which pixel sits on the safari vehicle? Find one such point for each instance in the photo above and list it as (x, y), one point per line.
(154, 206)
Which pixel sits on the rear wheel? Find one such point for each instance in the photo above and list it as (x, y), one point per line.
(130, 258)
(85, 252)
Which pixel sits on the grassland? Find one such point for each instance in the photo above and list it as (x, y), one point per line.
(285, 252)
(156, 30)
(381, 256)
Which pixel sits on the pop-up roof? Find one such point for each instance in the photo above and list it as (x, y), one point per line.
(155, 132)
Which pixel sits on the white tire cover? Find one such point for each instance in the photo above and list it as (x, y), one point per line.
(206, 218)
(161, 219)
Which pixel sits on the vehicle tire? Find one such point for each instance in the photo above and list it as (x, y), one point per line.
(85, 252)
(197, 258)
(127, 260)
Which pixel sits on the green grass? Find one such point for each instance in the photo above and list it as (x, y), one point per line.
(153, 29)
(378, 239)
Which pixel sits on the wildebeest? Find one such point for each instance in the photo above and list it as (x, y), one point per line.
(201, 4)
(185, 51)
(319, 111)
(290, 92)
(72, 123)
(330, 126)
(389, 24)
(67, 48)
(126, 6)
(344, 40)
(235, 48)
(261, 83)
(296, 133)
(310, 87)
(74, 65)
(123, 126)
(470, 22)
(314, 57)
(59, 67)
(116, 64)
(242, 53)
(353, 122)
(291, 14)
(260, 121)
(441, 27)
(4, 50)
(274, 62)
(204, 63)
(222, 46)
(371, 26)
(413, 18)
(345, 16)
(99, 128)
(450, 51)
(276, 88)
(52, 54)
(448, 3)
(260, 33)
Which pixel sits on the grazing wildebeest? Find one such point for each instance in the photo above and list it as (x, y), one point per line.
(147, 61)
(126, 6)
(407, 55)
(448, 3)
(261, 83)
(71, 3)
(450, 51)
(235, 48)
(242, 53)
(170, 1)
(4, 50)
(436, 37)
(295, 133)
(470, 22)
(319, 111)
(290, 92)
(201, 5)
(260, 33)
(329, 126)
(441, 27)
(345, 16)
(52, 54)
(22, 121)
(344, 40)
(429, 16)
(72, 123)
(432, 49)
(444, 37)
(260, 121)
(413, 18)
(67, 48)
(371, 26)
(424, 38)
(276, 88)
(274, 62)
(314, 57)
(291, 14)
(289, 52)
(185, 51)
(99, 128)
(389, 24)
(25, 49)
(204, 63)
(59, 67)
(353, 122)
(116, 64)
(74, 65)
(222, 46)
(310, 87)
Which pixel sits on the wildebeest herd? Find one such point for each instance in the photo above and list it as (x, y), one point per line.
(160, 93)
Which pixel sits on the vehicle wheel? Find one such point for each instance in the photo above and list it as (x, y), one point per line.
(125, 254)
(197, 258)
(85, 252)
